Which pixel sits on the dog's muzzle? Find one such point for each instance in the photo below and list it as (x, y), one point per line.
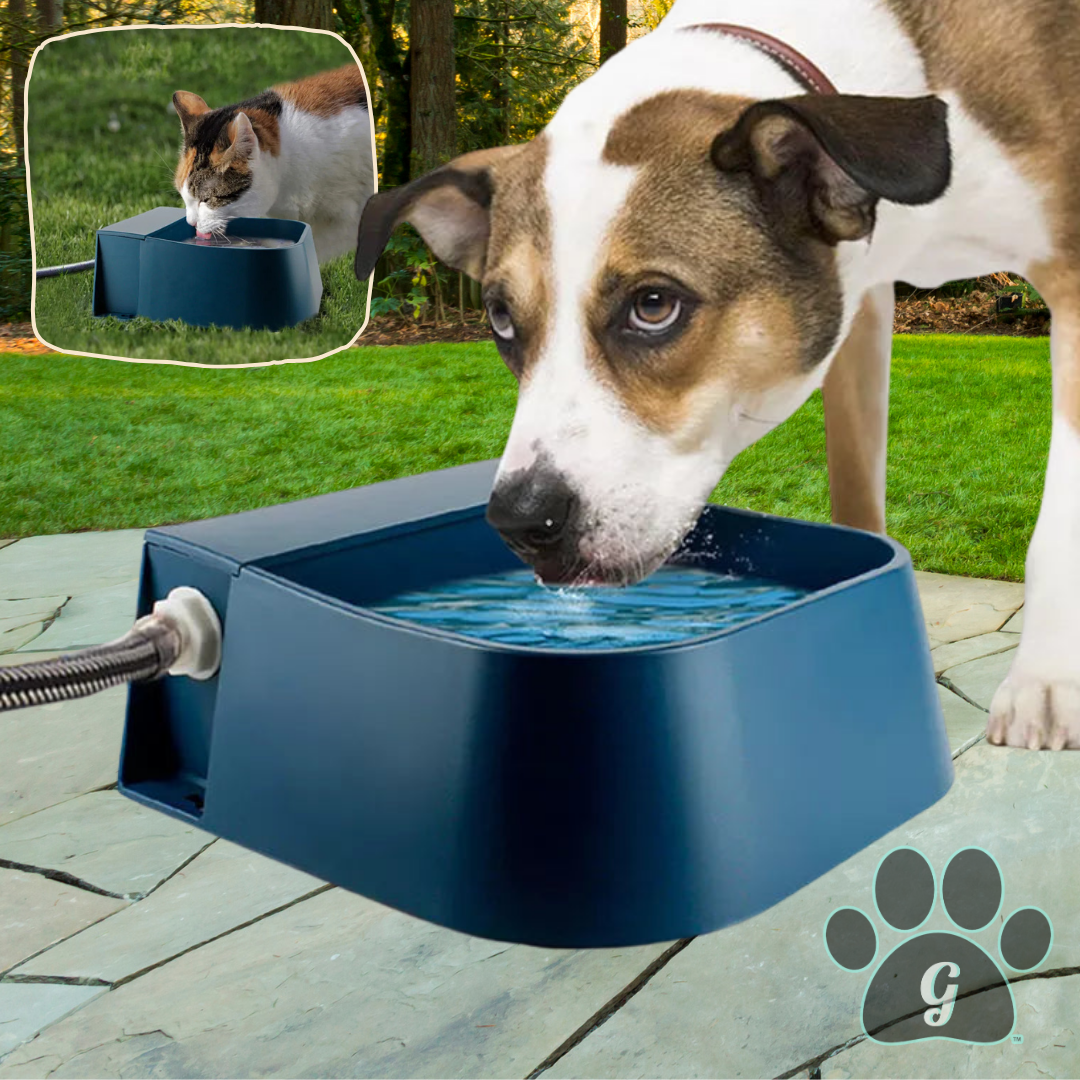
(538, 516)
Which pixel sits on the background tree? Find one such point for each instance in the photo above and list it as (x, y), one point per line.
(50, 17)
(384, 23)
(15, 45)
(318, 14)
(19, 43)
(516, 61)
(431, 85)
(613, 23)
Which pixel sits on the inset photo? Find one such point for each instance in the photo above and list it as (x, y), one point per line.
(195, 193)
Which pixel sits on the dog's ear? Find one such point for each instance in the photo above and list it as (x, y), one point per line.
(448, 207)
(832, 157)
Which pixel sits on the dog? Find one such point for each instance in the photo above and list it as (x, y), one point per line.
(710, 228)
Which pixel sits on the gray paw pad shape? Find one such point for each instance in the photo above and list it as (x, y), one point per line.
(939, 985)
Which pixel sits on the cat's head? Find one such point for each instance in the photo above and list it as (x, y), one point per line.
(222, 173)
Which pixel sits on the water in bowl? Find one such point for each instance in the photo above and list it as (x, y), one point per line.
(675, 604)
(229, 240)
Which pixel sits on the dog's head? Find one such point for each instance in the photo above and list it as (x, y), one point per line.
(666, 288)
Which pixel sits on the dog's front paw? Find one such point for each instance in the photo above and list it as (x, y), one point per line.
(1035, 710)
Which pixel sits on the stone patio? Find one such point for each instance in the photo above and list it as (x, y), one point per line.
(134, 945)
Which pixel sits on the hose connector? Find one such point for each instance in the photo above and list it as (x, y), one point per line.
(196, 621)
(181, 636)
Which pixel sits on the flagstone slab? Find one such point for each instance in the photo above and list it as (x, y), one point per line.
(763, 997)
(16, 637)
(979, 679)
(338, 986)
(4, 543)
(960, 607)
(962, 720)
(26, 1009)
(23, 620)
(1016, 624)
(52, 753)
(105, 840)
(36, 912)
(30, 606)
(225, 887)
(93, 618)
(1046, 1018)
(960, 652)
(70, 563)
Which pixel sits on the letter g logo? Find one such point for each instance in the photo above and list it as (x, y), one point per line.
(939, 1017)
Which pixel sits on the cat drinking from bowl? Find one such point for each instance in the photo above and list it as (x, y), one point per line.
(301, 150)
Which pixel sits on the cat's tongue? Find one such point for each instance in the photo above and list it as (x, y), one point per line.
(204, 235)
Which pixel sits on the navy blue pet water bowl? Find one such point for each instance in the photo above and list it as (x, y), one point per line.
(149, 265)
(559, 798)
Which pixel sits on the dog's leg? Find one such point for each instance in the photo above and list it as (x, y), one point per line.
(856, 397)
(1038, 704)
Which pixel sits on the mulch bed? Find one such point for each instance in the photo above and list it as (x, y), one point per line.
(389, 330)
(971, 314)
(19, 338)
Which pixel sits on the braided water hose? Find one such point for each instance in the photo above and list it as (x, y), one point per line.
(181, 637)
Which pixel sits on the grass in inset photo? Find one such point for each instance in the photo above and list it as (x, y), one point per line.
(90, 445)
(103, 141)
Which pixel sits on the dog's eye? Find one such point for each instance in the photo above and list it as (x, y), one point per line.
(654, 310)
(501, 322)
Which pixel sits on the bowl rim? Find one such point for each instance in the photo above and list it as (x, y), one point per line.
(899, 560)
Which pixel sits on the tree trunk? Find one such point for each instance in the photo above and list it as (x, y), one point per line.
(394, 91)
(50, 17)
(501, 97)
(431, 84)
(18, 33)
(317, 14)
(612, 27)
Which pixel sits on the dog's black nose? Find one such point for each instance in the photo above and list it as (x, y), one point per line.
(535, 513)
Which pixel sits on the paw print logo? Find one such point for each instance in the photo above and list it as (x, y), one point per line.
(938, 985)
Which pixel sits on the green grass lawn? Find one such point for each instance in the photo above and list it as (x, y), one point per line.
(83, 175)
(91, 444)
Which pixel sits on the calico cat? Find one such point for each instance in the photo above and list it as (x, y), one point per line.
(301, 150)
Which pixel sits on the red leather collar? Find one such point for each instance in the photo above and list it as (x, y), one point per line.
(806, 73)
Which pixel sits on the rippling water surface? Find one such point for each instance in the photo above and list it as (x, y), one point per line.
(674, 604)
(229, 240)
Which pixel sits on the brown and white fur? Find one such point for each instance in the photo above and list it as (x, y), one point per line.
(301, 150)
(692, 181)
